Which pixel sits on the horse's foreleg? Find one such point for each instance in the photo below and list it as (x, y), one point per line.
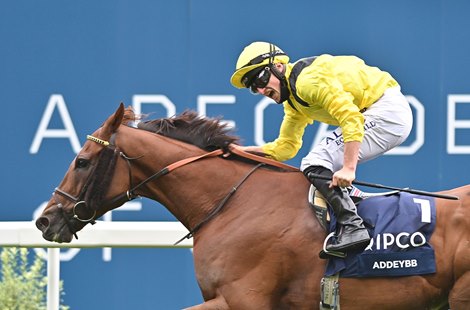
(213, 304)
(459, 297)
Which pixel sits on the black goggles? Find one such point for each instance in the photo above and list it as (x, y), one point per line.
(258, 79)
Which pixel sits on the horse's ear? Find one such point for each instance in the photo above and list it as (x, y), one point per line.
(114, 121)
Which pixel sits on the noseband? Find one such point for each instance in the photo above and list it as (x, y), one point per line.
(78, 201)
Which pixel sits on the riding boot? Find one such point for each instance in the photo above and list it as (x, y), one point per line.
(352, 235)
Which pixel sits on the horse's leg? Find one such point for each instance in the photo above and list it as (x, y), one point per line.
(213, 304)
(459, 297)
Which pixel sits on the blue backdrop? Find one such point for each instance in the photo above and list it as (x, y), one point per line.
(66, 65)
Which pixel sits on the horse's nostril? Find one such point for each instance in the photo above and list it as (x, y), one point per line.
(42, 223)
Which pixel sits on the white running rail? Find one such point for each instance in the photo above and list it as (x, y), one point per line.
(103, 234)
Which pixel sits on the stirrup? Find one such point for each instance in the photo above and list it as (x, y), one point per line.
(325, 254)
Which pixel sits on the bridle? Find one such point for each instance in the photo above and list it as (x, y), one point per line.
(130, 194)
(79, 200)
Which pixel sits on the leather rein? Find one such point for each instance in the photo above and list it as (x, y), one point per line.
(130, 194)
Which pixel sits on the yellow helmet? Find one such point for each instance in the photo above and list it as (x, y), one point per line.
(256, 55)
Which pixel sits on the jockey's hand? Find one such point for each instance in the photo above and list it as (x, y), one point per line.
(343, 178)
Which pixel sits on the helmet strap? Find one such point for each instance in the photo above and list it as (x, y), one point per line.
(283, 83)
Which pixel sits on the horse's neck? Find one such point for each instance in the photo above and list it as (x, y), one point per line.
(193, 191)
(190, 191)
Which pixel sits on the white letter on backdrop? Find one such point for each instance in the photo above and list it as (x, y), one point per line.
(44, 132)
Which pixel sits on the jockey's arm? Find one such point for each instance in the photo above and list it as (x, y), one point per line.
(347, 174)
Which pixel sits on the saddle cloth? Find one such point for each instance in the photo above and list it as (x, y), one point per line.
(401, 225)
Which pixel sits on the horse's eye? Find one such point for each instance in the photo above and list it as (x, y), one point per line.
(81, 163)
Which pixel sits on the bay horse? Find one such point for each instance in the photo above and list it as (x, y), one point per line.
(256, 240)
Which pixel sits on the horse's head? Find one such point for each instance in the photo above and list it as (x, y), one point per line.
(101, 178)
(88, 186)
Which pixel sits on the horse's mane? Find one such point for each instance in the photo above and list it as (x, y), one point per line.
(207, 133)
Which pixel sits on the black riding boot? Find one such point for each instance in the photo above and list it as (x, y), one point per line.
(353, 235)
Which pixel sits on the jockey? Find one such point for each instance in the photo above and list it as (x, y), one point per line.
(366, 104)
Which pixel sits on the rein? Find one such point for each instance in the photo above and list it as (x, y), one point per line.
(129, 194)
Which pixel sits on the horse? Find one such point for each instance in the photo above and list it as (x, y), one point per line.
(256, 240)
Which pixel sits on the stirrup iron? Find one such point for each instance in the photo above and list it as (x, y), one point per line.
(324, 253)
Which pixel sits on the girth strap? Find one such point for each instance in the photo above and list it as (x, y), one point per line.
(330, 293)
